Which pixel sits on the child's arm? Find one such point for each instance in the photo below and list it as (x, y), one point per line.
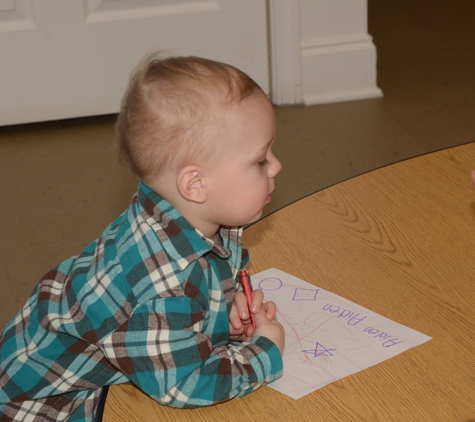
(163, 351)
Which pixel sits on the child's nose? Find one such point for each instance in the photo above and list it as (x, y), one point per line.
(275, 167)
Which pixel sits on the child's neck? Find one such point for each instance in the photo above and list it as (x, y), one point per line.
(217, 238)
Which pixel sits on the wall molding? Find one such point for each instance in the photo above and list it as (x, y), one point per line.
(98, 11)
(335, 44)
(317, 71)
(17, 16)
(339, 69)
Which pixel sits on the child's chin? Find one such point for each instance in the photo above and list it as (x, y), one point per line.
(255, 218)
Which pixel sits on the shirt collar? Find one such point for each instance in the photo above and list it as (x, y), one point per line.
(180, 239)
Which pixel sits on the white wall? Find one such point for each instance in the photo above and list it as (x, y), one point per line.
(332, 18)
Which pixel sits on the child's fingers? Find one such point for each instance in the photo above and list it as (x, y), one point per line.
(257, 299)
(242, 308)
(249, 331)
(234, 318)
(271, 309)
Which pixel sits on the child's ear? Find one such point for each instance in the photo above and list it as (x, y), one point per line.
(189, 184)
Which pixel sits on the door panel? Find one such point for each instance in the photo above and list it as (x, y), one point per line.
(71, 58)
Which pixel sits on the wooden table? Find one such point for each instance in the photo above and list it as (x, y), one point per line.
(399, 241)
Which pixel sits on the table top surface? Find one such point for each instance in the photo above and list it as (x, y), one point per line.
(399, 241)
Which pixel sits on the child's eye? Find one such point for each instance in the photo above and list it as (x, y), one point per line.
(262, 162)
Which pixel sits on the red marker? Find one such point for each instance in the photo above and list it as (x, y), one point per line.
(245, 281)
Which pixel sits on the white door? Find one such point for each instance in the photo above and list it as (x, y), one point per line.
(72, 58)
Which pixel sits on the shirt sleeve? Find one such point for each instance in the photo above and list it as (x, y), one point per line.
(163, 351)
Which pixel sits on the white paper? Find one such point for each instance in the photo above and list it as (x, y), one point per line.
(326, 336)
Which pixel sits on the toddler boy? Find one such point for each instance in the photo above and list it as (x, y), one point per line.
(155, 301)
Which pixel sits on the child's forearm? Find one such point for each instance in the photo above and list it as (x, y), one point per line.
(180, 367)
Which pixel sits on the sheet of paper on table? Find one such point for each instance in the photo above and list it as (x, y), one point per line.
(326, 336)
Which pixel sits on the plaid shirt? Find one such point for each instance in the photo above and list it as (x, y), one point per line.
(147, 303)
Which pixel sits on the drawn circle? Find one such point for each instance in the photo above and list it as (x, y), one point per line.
(270, 284)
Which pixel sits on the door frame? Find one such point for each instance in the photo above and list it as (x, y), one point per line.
(315, 65)
(284, 52)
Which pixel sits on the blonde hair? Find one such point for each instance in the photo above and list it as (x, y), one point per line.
(168, 105)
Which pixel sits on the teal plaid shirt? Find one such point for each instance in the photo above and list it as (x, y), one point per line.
(147, 303)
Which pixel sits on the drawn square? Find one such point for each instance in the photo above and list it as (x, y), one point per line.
(305, 294)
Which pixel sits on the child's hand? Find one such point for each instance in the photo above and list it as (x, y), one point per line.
(240, 326)
(271, 329)
(472, 175)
